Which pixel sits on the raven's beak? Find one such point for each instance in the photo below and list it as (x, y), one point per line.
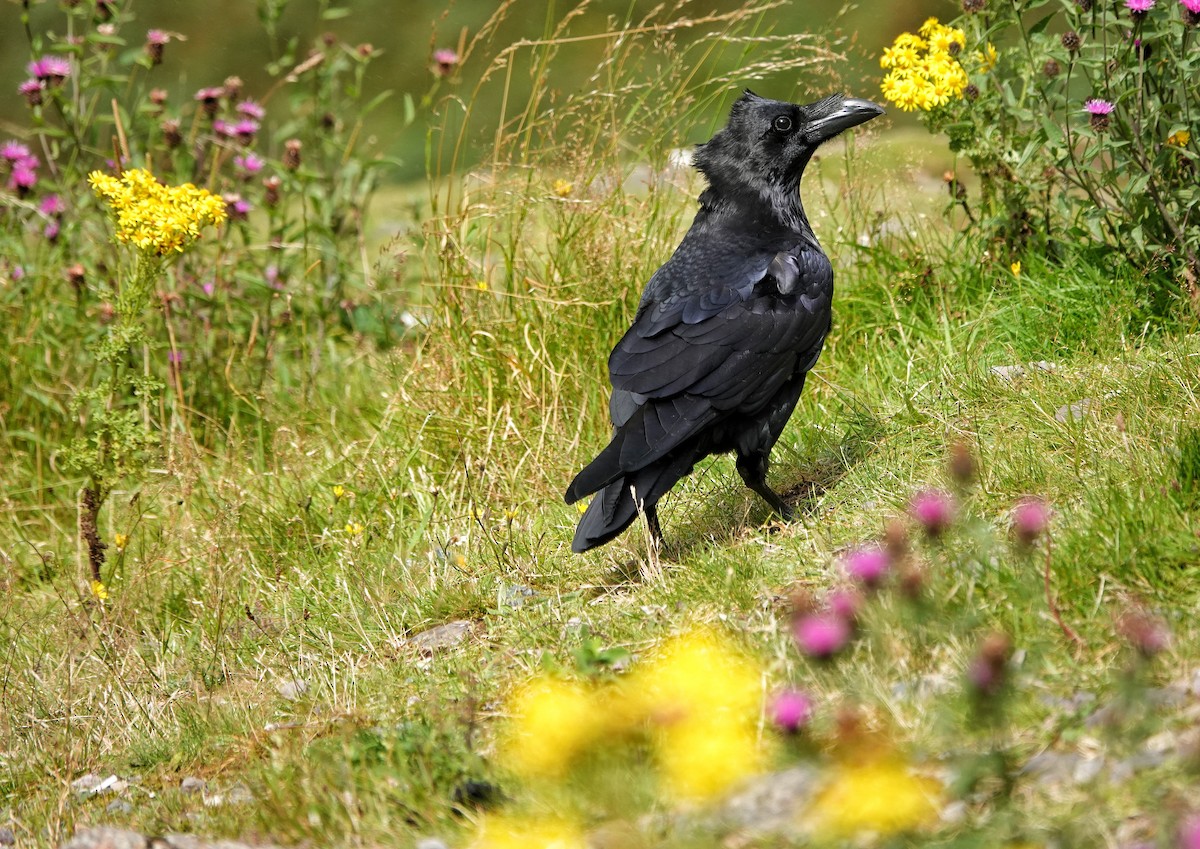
(839, 114)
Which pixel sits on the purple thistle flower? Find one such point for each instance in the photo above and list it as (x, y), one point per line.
(822, 635)
(14, 151)
(157, 36)
(54, 69)
(271, 274)
(32, 90)
(222, 128)
(209, 287)
(237, 206)
(444, 61)
(1029, 520)
(18, 272)
(245, 130)
(22, 179)
(1139, 7)
(52, 205)
(51, 230)
(174, 357)
(1189, 830)
(249, 164)
(1099, 110)
(869, 565)
(845, 604)
(1192, 6)
(791, 710)
(251, 109)
(209, 99)
(156, 40)
(933, 509)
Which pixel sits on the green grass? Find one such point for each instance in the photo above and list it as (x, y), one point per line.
(252, 635)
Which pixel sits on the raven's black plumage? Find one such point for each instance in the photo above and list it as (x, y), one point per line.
(728, 328)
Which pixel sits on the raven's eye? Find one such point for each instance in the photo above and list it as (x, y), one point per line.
(782, 124)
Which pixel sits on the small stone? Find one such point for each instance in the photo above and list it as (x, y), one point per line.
(1075, 411)
(106, 838)
(7, 836)
(191, 784)
(954, 813)
(441, 636)
(291, 688)
(119, 806)
(430, 843)
(514, 596)
(1008, 373)
(1087, 769)
(86, 784)
(239, 794)
(1051, 766)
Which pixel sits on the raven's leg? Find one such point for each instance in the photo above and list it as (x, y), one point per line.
(753, 469)
(652, 525)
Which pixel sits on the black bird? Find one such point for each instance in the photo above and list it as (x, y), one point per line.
(728, 328)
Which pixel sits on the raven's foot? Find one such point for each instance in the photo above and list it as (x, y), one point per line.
(753, 470)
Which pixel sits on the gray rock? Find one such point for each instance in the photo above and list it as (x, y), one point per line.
(85, 785)
(106, 838)
(1052, 766)
(768, 804)
(430, 843)
(441, 636)
(514, 595)
(192, 784)
(8, 837)
(1086, 770)
(1075, 411)
(291, 688)
(118, 806)
(239, 794)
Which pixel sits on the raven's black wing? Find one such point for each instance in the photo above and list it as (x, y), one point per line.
(699, 354)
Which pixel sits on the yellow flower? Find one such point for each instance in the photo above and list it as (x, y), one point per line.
(339, 491)
(99, 591)
(509, 832)
(1016, 268)
(986, 59)
(552, 722)
(702, 758)
(945, 39)
(154, 218)
(353, 528)
(563, 189)
(581, 506)
(481, 285)
(881, 796)
(924, 73)
(1179, 138)
(120, 541)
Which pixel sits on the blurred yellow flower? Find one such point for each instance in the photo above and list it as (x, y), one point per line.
(552, 722)
(1179, 138)
(99, 590)
(353, 528)
(154, 218)
(702, 758)
(563, 189)
(339, 491)
(882, 796)
(120, 541)
(510, 832)
(481, 285)
(1015, 268)
(986, 58)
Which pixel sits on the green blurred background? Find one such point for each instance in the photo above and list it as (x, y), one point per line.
(225, 37)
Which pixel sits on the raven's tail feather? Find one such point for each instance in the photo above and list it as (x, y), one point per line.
(617, 505)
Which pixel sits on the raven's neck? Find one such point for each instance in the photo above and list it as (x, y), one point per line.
(771, 212)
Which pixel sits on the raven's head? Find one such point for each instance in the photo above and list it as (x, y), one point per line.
(767, 143)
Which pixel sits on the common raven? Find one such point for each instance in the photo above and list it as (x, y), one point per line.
(728, 328)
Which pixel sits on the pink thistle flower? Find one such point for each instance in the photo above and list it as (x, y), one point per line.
(791, 711)
(1147, 633)
(174, 357)
(52, 205)
(1139, 7)
(245, 130)
(209, 287)
(32, 90)
(1029, 520)
(237, 207)
(1100, 110)
(845, 604)
(14, 151)
(209, 99)
(272, 276)
(51, 230)
(822, 635)
(444, 61)
(869, 564)
(933, 509)
(156, 40)
(22, 179)
(157, 36)
(52, 69)
(251, 110)
(1189, 833)
(249, 164)
(1192, 6)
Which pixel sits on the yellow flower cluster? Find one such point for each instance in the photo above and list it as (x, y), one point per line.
(154, 218)
(506, 832)
(696, 697)
(923, 72)
(882, 796)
